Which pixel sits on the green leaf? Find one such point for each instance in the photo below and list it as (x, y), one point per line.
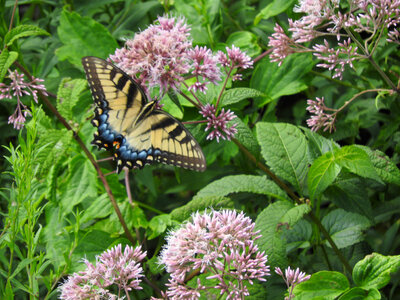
(324, 285)
(81, 184)
(100, 208)
(284, 149)
(82, 36)
(246, 41)
(90, 245)
(6, 60)
(322, 173)
(345, 228)
(356, 161)
(22, 31)
(53, 146)
(246, 137)
(374, 270)
(242, 183)
(273, 9)
(299, 236)
(68, 95)
(200, 203)
(361, 294)
(348, 192)
(21, 265)
(276, 81)
(158, 225)
(386, 169)
(271, 227)
(317, 144)
(238, 94)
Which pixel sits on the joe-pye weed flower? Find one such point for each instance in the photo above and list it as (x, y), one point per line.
(219, 244)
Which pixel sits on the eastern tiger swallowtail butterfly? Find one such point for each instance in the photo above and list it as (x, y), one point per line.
(128, 123)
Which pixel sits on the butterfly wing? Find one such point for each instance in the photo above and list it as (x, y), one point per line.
(118, 98)
(124, 120)
(171, 143)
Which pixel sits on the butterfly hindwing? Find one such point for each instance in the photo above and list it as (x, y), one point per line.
(125, 121)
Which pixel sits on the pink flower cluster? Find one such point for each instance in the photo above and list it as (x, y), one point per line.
(375, 19)
(18, 88)
(292, 278)
(162, 56)
(325, 18)
(320, 119)
(113, 268)
(218, 123)
(219, 244)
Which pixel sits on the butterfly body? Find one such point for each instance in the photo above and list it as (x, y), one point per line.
(139, 133)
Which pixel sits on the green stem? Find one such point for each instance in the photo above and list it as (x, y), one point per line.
(372, 61)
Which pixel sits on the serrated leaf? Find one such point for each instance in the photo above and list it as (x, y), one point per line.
(295, 214)
(68, 95)
(100, 207)
(322, 173)
(235, 95)
(53, 145)
(386, 169)
(298, 236)
(269, 222)
(83, 36)
(348, 192)
(272, 9)
(242, 183)
(345, 228)
(374, 270)
(81, 184)
(22, 31)
(284, 149)
(246, 137)
(322, 285)
(200, 203)
(317, 144)
(356, 161)
(7, 58)
(158, 225)
(276, 81)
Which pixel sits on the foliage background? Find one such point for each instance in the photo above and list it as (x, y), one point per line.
(55, 208)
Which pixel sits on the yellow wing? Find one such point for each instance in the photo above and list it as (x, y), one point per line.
(125, 121)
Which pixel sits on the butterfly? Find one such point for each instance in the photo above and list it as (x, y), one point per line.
(134, 128)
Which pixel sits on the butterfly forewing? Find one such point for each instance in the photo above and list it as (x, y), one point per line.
(140, 134)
